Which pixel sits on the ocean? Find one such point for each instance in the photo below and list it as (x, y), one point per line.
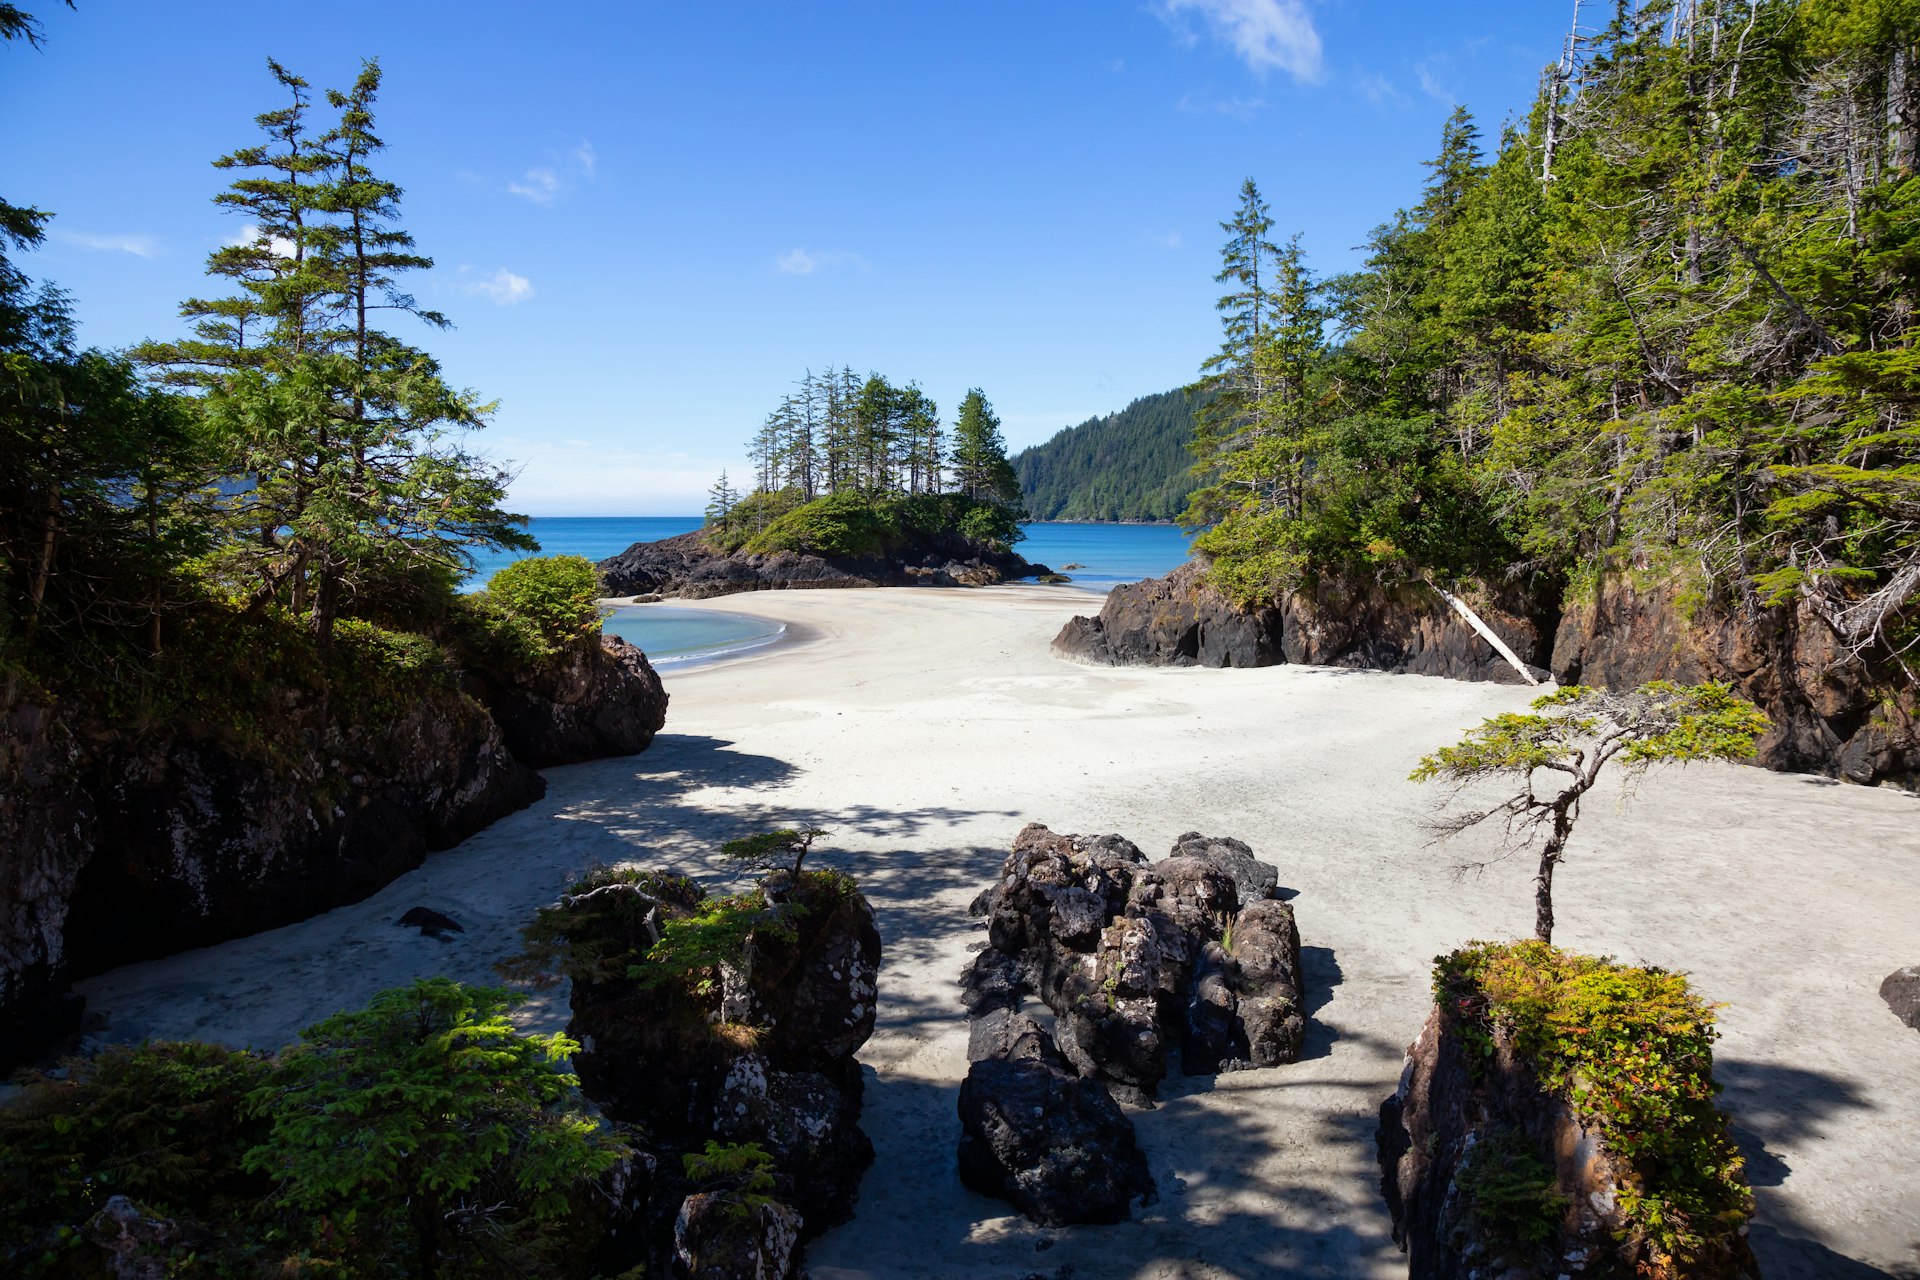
(1106, 555)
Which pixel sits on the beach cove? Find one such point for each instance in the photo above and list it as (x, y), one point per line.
(924, 728)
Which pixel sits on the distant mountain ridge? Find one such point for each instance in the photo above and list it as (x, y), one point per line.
(1130, 465)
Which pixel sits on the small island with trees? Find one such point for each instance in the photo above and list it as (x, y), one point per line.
(856, 484)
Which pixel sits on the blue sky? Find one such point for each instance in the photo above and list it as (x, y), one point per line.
(649, 219)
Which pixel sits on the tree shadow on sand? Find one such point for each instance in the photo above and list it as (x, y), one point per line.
(1773, 1107)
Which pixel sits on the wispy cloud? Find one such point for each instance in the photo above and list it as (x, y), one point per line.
(557, 475)
(1433, 73)
(138, 246)
(807, 262)
(547, 183)
(279, 246)
(1242, 109)
(1162, 239)
(542, 186)
(1379, 90)
(1268, 35)
(503, 287)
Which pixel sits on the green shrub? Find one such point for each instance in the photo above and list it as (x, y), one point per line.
(1511, 1198)
(164, 1124)
(750, 516)
(841, 525)
(1632, 1051)
(560, 595)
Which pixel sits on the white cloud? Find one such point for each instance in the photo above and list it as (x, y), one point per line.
(1269, 35)
(544, 184)
(806, 262)
(279, 246)
(504, 287)
(138, 246)
(1241, 109)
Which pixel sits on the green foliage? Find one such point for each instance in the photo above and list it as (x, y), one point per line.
(601, 927)
(1659, 723)
(558, 595)
(421, 1136)
(858, 525)
(163, 1124)
(1632, 1051)
(1511, 1198)
(419, 1122)
(1127, 466)
(784, 849)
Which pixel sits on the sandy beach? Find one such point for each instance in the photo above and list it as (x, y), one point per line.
(924, 728)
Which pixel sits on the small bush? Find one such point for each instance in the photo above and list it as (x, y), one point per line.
(559, 595)
(841, 525)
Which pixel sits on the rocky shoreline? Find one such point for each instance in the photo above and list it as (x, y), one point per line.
(1832, 714)
(686, 566)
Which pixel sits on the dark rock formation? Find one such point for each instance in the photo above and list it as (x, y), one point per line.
(763, 1056)
(1179, 621)
(123, 846)
(1452, 1127)
(1901, 990)
(1175, 621)
(597, 698)
(1139, 959)
(1055, 1145)
(687, 567)
(1831, 714)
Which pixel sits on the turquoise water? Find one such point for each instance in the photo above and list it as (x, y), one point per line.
(1108, 553)
(671, 637)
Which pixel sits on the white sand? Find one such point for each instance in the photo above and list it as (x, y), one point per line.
(925, 727)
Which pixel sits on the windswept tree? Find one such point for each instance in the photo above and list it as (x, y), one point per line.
(1557, 753)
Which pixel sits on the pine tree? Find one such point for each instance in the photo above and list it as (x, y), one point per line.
(721, 500)
(980, 467)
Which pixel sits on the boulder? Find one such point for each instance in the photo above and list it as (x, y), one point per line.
(809, 1123)
(596, 698)
(133, 1244)
(721, 1235)
(1055, 1145)
(1175, 621)
(1901, 990)
(1252, 879)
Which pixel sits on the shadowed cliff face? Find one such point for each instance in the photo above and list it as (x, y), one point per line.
(121, 844)
(685, 566)
(1832, 714)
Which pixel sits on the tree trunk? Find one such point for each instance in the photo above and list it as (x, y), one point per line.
(1543, 881)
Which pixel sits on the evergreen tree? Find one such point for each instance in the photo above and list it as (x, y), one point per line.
(346, 436)
(980, 467)
(721, 500)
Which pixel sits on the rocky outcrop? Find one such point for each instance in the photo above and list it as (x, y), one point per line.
(687, 567)
(1486, 1174)
(763, 1056)
(1901, 990)
(1138, 961)
(1180, 621)
(1832, 713)
(598, 697)
(121, 845)
(1135, 962)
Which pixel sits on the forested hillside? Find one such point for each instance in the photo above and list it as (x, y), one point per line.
(1666, 322)
(1130, 465)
